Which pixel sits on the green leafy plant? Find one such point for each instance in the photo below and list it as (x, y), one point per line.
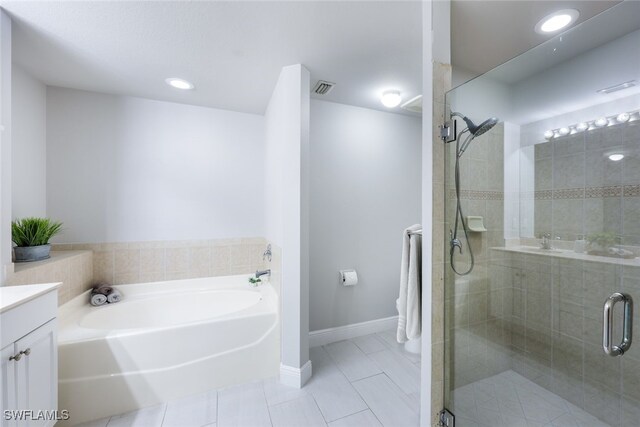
(33, 231)
(603, 240)
(254, 281)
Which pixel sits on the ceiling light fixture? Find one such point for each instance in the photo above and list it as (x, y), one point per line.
(623, 117)
(556, 21)
(391, 98)
(600, 122)
(582, 126)
(616, 157)
(179, 83)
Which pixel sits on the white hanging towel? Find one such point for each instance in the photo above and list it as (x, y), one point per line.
(409, 308)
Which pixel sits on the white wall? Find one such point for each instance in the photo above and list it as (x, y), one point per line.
(29, 159)
(130, 169)
(5, 145)
(286, 211)
(365, 190)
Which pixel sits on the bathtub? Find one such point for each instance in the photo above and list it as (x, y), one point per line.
(165, 340)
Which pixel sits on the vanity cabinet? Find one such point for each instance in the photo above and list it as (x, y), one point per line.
(29, 366)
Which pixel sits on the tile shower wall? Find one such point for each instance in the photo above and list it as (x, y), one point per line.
(138, 262)
(477, 305)
(441, 84)
(579, 191)
(552, 313)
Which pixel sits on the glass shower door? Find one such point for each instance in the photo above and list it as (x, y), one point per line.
(538, 327)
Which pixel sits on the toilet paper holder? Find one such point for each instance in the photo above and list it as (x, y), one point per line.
(348, 277)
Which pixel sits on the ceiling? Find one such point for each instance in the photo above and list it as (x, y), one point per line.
(231, 51)
(486, 33)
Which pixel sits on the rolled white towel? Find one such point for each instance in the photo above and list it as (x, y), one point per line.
(98, 299)
(114, 296)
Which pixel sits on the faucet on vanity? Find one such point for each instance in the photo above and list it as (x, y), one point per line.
(546, 241)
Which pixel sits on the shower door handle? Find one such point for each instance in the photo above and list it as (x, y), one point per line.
(627, 326)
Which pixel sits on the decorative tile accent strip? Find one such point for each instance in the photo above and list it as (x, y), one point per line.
(588, 193)
(544, 195)
(569, 193)
(478, 194)
(631, 190)
(565, 193)
(599, 192)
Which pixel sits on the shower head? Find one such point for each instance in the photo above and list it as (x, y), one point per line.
(481, 128)
(474, 131)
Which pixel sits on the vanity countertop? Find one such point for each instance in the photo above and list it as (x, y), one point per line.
(12, 296)
(569, 254)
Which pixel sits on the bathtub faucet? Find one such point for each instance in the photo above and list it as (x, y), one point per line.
(262, 273)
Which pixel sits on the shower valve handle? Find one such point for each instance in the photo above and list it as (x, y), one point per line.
(455, 242)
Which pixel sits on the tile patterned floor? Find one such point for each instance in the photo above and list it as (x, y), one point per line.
(510, 400)
(368, 381)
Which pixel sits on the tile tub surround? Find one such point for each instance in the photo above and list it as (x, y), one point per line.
(73, 268)
(139, 262)
(579, 191)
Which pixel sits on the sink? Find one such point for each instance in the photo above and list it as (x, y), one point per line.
(541, 250)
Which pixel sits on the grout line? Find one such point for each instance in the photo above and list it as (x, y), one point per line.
(355, 413)
(264, 395)
(164, 413)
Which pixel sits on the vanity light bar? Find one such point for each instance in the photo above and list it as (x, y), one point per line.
(593, 124)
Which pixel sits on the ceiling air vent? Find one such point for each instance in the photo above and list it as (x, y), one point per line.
(615, 88)
(323, 87)
(414, 104)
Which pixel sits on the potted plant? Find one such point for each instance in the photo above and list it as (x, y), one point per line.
(599, 243)
(31, 237)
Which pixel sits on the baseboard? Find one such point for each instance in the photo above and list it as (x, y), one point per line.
(295, 377)
(327, 336)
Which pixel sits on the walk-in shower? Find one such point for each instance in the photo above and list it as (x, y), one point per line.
(473, 132)
(538, 307)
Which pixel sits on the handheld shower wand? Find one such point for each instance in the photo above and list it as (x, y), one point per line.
(474, 131)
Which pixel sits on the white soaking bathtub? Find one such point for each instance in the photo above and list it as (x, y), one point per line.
(163, 341)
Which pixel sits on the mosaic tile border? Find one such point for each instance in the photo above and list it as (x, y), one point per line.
(560, 194)
(588, 192)
(478, 194)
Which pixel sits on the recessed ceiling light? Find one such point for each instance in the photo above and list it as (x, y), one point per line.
(179, 83)
(616, 157)
(391, 98)
(556, 21)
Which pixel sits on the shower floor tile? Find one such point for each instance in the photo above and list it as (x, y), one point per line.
(510, 400)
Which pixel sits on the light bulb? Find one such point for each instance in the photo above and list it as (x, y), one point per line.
(602, 121)
(623, 117)
(391, 98)
(563, 131)
(582, 126)
(548, 134)
(179, 83)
